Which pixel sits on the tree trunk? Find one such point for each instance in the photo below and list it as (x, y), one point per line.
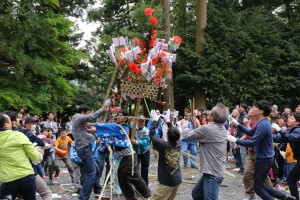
(168, 95)
(201, 9)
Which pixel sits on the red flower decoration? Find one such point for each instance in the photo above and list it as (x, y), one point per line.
(143, 44)
(136, 41)
(153, 21)
(134, 68)
(154, 33)
(162, 54)
(148, 11)
(154, 61)
(122, 49)
(138, 57)
(137, 71)
(152, 43)
(177, 39)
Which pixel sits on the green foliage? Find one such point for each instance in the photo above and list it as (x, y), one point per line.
(34, 57)
(250, 54)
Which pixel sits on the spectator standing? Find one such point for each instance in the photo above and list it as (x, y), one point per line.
(15, 152)
(141, 145)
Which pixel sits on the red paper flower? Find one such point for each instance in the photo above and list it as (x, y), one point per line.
(142, 43)
(154, 33)
(136, 41)
(122, 49)
(154, 61)
(162, 54)
(137, 71)
(132, 66)
(148, 11)
(152, 43)
(153, 21)
(138, 57)
(177, 39)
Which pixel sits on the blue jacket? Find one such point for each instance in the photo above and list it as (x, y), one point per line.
(292, 137)
(32, 138)
(261, 140)
(143, 139)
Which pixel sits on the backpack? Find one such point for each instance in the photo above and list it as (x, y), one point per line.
(73, 155)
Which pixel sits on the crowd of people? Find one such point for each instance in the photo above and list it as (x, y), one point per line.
(265, 144)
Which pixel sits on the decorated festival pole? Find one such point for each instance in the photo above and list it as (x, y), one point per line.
(137, 106)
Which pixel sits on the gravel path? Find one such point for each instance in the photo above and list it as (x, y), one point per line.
(231, 188)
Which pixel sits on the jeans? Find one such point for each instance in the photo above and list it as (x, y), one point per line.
(144, 162)
(39, 169)
(88, 163)
(191, 145)
(289, 168)
(103, 157)
(24, 186)
(292, 180)
(128, 182)
(243, 152)
(239, 160)
(262, 169)
(207, 188)
(248, 175)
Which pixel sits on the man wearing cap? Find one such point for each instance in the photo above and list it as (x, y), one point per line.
(141, 143)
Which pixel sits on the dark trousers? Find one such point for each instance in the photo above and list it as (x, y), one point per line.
(292, 180)
(144, 162)
(239, 159)
(23, 186)
(260, 174)
(52, 166)
(128, 182)
(103, 157)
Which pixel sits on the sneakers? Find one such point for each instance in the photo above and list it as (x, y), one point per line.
(194, 167)
(250, 197)
(236, 169)
(279, 187)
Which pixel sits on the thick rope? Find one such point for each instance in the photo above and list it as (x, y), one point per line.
(131, 148)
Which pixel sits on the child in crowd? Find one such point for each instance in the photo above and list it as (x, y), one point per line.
(48, 157)
(62, 150)
(289, 156)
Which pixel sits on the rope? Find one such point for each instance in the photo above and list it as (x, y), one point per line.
(131, 148)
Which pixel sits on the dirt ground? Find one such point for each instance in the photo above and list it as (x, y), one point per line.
(231, 187)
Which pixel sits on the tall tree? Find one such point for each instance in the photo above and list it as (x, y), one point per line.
(33, 57)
